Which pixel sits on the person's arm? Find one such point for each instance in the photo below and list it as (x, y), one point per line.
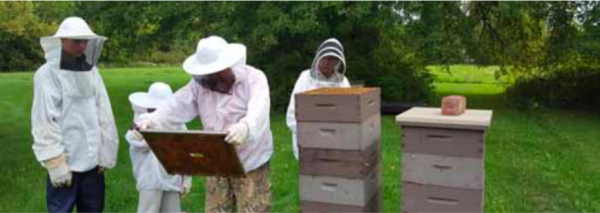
(257, 117)
(45, 113)
(109, 147)
(47, 138)
(138, 144)
(345, 82)
(186, 186)
(181, 110)
(291, 111)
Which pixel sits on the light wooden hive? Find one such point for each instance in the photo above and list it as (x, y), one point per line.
(443, 160)
(339, 131)
(352, 105)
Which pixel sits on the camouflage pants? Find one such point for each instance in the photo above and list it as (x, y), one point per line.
(248, 194)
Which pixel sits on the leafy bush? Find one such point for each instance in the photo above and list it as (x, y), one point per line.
(161, 57)
(20, 30)
(570, 87)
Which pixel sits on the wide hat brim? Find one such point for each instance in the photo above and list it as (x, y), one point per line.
(86, 37)
(142, 99)
(227, 58)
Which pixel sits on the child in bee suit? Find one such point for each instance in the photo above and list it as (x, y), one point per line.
(327, 70)
(159, 191)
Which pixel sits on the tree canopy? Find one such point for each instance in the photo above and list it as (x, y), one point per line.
(388, 44)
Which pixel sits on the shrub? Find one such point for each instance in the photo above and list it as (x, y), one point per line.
(570, 87)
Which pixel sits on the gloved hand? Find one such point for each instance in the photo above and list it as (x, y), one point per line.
(187, 186)
(237, 134)
(137, 135)
(102, 169)
(143, 124)
(59, 172)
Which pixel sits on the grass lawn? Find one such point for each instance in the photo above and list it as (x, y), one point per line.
(536, 161)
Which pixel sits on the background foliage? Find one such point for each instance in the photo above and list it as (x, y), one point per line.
(388, 44)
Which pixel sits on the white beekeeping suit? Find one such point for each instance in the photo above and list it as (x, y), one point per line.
(227, 95)
(314, 79)
(159, 191)
(149, 173)
(71, 114)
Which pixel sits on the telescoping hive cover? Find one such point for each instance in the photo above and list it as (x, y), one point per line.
(200, 153)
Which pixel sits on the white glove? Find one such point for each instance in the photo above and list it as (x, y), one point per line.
(137, 135)
(237, 134)
(59, 172)
(145, 124)
(187, 186)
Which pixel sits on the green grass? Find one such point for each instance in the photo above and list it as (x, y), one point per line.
(467, 74)
(536, 160)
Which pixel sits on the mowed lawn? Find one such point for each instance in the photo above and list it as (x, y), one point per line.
(544, 160)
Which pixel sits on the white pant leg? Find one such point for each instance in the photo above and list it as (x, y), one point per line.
(150, 201)
(171, 202)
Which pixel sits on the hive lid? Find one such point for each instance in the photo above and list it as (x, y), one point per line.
(432, 117)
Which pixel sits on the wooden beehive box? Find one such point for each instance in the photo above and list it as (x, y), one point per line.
(337, 104)
(443, 160)
(340, 163)
(339, 190)
(341, 136)
(431, 198)
(443, 170)
(375, 205)
(443, 141)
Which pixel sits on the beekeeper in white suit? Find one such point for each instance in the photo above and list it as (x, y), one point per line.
(229, 96)
(327, 70)
(159, 191)
(72, 123)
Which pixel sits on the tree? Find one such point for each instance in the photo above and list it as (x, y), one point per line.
(589, 40)
(20, 30)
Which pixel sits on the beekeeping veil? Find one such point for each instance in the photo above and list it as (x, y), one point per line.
(78, 31)
(330, 47)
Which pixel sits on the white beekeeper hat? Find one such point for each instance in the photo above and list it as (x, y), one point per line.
(159, 94)
(75, 28)
(213, 54)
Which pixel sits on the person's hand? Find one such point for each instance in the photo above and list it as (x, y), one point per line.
(187, 186)
(135, 131)
(58, 170)
(141, 125)
(101, 169)
(237, 134)
(144, 124)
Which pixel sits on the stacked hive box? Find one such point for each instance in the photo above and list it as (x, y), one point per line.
(443, 160)
(338, 132)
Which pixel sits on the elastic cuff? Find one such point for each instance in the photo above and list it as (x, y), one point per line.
(58, 161)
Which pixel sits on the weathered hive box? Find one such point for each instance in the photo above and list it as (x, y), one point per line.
(338, 132)
(338, 190)
(342, 136)
(443, 141)
(431, 198)
(352, 105)
(314, 206)
(443, 170)
(340, 163)
(443, 160)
